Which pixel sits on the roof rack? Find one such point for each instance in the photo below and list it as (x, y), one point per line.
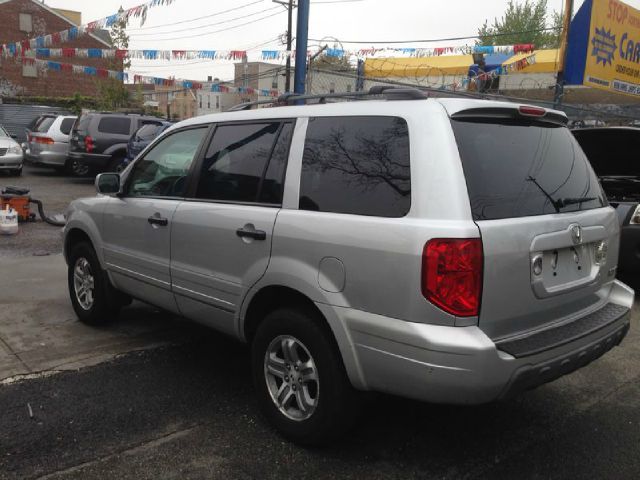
(388, 92)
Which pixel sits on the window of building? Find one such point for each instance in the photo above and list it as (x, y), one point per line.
(217, 102)
(115, 125)
(26, 22)
(357, 165)
(29, 68)
(348, 87)
(208, 101)
(200, 101)
(236, 167)
(332, 87)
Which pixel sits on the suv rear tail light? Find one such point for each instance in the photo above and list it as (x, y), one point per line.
(532, 111)
(452, 274)
(88, 144)
(44, 140)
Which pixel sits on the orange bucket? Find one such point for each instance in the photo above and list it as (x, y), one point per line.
(19, 203)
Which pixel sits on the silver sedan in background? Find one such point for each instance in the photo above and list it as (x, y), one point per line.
(11, 156)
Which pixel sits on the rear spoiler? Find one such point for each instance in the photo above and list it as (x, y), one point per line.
(524, 111)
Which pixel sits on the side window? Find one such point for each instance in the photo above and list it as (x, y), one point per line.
(238, 159)
(116, 125)
(162, 172)
(357, 165)
(66, 124)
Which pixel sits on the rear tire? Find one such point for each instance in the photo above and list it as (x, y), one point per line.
(77, 169)
(301, 383)
(16, 173)
(89, 287)
(116, 164)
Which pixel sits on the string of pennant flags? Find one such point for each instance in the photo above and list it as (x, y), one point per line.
(44, 41)
(44, 52)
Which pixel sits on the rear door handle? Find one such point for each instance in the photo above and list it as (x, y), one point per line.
(251, 233)
(162, 222)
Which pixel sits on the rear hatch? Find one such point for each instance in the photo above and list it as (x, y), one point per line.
(608, 150)
(79, 134)
(38, 138)
(550, 241)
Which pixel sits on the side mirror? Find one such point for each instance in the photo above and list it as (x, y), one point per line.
(108, 183)
(13, 135)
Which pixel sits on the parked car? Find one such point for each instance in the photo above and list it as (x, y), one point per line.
(612, 152)
(99, 140)
(11, 157)
(48, 142)
(447, 250)
(143, 137)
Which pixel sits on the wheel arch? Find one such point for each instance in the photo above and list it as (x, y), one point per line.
(268, 298)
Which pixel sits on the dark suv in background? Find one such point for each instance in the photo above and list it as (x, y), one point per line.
(99, 140)
(613, 153)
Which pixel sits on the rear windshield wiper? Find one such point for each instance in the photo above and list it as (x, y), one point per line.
(563, 202)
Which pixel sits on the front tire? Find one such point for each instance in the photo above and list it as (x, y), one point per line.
(298, 373)
(88, 287)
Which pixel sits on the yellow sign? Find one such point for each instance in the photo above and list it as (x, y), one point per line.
(613, 49)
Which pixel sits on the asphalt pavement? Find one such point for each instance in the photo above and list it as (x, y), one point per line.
(151, 396)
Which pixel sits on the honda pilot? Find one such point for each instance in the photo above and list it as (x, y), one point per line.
(447, 250)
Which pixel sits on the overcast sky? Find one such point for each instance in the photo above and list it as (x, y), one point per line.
(346, 20)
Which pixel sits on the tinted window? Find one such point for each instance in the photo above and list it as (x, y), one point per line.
(66, 124)
(272, 184)
(43, 125)
(357, 165)
(519, 169)
(163, 170)
(117, 125)
(148, 132)
(236, 161)
(3, 132)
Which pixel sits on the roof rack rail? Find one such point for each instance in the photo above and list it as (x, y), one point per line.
(388, 92)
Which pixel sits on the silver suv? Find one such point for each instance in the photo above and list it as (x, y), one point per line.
(446, 250)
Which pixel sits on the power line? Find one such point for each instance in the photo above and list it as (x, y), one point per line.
(471, 37)
(215, 31)
(188, 29)
(198, 18)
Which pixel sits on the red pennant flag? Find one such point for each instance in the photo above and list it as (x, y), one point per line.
(101, 72)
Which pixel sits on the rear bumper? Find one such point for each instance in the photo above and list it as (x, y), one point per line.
(96, 160)
(47, 159)
(462, 365)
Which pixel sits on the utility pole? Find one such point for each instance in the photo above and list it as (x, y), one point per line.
(302, 37)
(289, 5)
(564, 40)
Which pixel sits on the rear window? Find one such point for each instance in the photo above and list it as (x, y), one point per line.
(357, 165)
(148, 131)
(43, 125)
(608, 150)
(115, 125)
(66, 124)
(520, 169)
(82, 124)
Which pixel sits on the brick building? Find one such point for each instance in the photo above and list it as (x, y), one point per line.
(25, 19)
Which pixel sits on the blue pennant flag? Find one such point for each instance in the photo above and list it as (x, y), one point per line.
(43, 52)
(53, 66)
(211, 54)
(111, 20)
(90, 71)
(269, 54)
(73, 33)
(150, 54)
(94, 53)
(334, 52)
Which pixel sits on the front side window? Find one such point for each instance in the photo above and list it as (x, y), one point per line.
(237, 163)
(357, 165)
(115, 125)
(162, 172)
